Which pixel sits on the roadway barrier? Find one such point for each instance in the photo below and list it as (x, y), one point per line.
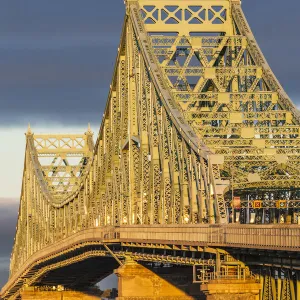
(279, 237)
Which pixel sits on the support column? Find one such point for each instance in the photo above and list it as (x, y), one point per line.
(292, 288)
(298, 284)
(137, 282)
(273, 284)
(262, 281)
(231, 289)
(279, 286)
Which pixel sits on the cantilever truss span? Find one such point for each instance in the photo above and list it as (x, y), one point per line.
(194, 116)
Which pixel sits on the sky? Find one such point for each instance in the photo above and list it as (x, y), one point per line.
(56, 63)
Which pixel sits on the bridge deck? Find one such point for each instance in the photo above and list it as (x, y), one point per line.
(269, 237)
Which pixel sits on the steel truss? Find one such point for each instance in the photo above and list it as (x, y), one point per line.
(194, 117)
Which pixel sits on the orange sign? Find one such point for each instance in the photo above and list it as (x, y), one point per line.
(257, 204)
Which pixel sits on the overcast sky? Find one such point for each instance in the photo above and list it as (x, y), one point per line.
(56, 62)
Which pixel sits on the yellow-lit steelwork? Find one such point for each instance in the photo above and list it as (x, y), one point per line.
(194, 117)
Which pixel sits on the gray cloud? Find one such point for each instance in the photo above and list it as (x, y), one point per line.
(56, 57)
(4, 270)
(73, 17)
(276, 32)
(8, 220)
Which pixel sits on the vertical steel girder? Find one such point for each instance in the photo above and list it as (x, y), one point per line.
(280, 284)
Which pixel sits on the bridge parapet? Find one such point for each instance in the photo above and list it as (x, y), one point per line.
(273, 237)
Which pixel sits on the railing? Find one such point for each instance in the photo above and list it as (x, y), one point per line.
(264, 236)
(246, 236)
(243, 275)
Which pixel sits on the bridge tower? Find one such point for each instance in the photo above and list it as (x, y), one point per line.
(195, 168)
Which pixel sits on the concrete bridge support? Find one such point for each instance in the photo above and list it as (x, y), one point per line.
(139, 283)
(231, 289)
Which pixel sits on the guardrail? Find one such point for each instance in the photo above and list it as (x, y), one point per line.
(279, 237)
(241, 275)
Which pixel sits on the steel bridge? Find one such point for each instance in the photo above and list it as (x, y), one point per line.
(196, 167)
